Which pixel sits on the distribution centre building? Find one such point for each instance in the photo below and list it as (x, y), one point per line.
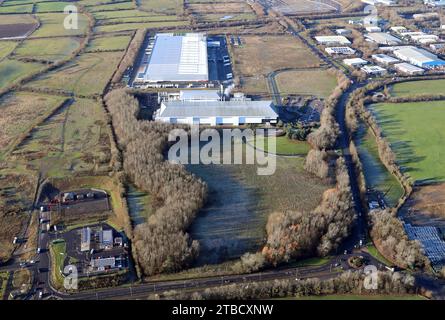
(419, 57)
(177, 58)
(217, 112)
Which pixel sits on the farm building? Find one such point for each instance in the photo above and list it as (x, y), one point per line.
(177, 58)
(217, 112)
(355, 62)
(332, 40)
(340, 51)
(384, 59)
(383, 38)
(419, 57)
(407, 68)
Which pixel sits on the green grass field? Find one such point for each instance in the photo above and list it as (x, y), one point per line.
(58, 255)
(72, 140)
(26, 8)
(316, 82)
(413, 88)
(52, 25)
(47, 49)
(376, 174)
(131, 13)
(415, 131)
(21, 111)
(51, 6)
(6, 48)
(108, 43)
(112, 6)
(87, 75)
(12, 71)
(133, 26)
(284, 146)
(164, 6)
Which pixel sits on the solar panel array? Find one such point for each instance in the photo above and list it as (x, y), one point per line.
(431, 242)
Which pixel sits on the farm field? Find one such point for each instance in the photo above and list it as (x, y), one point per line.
(12, 71)
(164, 6)
(16, 25)
(415, 131)
(376, 175)
(108, 43)
(413, 88)
(104, 15)
(21, 111)
(25, 8)
(284, 145)
(277, 52)
(6, 48)
(218, 7)
(73, 140)
(51, 6)
(137, 19)
(315, 82)
(112, 6)
(47, 49)
(87, 75)
(134, 26)
(300, 6)
(240, 201)
(214, 17)
(52, 25)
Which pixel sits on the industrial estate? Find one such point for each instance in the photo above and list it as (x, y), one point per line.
(346, 96)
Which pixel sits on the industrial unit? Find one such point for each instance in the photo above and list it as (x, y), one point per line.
(408, 69)
(355, 62)
(340, 50)
(419, 57)
(383, 38)
(217, 112)
(332, 40)
(384, 59)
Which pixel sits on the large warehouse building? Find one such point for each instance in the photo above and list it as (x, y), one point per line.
(177, 58)
(217, 112)
(419, 57)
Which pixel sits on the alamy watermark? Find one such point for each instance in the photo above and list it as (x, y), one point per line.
(225, 146)
(71, 21)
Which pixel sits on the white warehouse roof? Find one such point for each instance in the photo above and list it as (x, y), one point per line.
(217, 109)
(355, 62)
(332, 39)
(383, 38)
(408, 68)
(178, 57)
(383, 58)
(206, 95)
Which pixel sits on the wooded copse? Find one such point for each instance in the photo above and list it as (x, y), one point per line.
(294, 235)
(346, 283)
(389, 235)
(162, 244)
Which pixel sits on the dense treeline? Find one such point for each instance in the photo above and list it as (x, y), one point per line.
(317, 160)
(346, 283)
(293, 235)
(162, 245)
(130, 55)
(389, 236)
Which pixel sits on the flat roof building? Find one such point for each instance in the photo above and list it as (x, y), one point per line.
(332, 40)
(217, 112)
(408, 68)
(355, 62)
(340, 50)
(383, 38)
(178, 58)
(419, 57)
(384, 59)
(374, 70)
